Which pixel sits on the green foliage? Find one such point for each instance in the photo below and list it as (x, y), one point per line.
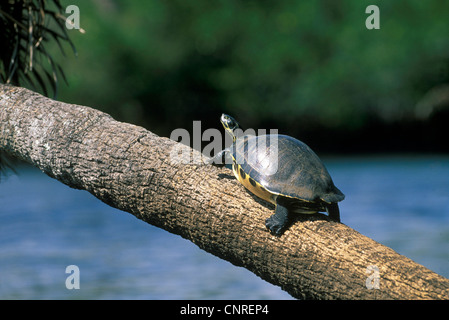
(294, 64)
(26, 28)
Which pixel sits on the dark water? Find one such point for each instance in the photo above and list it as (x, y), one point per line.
(402, 202)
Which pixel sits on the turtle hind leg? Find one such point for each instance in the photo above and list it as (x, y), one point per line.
(278, 221)
(333, 211)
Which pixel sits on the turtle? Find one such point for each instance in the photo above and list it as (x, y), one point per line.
(282, 170)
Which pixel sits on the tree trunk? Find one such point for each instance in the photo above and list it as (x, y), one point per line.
(130, 168)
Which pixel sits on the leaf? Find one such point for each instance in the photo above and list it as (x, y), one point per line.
(26, 27)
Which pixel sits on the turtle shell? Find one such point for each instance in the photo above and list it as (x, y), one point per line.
(272, 165)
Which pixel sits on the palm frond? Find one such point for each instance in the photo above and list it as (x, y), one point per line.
(27, 27)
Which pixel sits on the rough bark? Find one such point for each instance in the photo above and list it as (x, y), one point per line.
(129, 168)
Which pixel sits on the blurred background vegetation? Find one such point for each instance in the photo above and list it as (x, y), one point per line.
(308, 68)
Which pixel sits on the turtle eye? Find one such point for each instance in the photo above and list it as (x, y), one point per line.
(229, 122)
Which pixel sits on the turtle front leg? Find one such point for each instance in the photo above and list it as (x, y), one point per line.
(219, 159)
(278, 221)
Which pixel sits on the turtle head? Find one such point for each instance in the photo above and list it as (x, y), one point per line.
(230, 125)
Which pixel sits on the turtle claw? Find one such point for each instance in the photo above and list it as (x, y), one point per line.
(276, 228)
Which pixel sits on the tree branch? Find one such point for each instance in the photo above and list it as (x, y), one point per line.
(129, 168)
